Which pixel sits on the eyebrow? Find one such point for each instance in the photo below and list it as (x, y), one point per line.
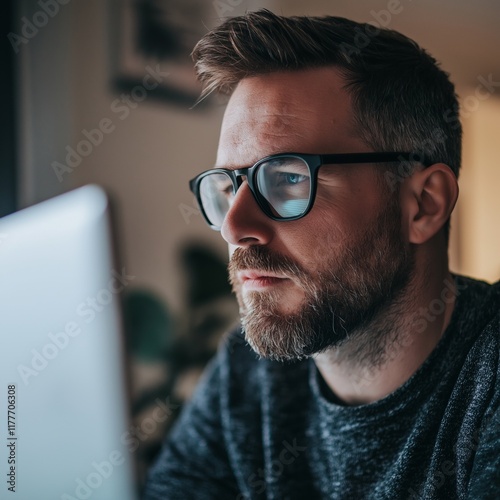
(251, 164)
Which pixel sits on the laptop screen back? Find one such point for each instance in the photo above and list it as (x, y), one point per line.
(64, 400)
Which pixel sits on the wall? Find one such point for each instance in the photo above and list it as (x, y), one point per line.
(478, 210)
(46, 98)
(145, 162)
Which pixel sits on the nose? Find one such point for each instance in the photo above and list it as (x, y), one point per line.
(245, 223)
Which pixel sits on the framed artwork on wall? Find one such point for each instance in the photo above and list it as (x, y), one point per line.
(151, 43)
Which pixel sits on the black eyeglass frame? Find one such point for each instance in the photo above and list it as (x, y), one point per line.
(313, 162)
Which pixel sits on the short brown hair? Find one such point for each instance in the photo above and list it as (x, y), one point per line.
(402, 100)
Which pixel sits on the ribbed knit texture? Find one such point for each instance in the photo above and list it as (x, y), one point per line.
(258, 429)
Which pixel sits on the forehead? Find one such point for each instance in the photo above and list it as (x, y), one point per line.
(306, 111)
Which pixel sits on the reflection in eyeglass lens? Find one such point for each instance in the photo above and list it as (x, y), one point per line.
(216, 192)
(286, 185)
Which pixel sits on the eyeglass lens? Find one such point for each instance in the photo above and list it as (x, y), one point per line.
(283, 182)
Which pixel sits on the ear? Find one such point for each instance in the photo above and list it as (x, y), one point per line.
(429, 198)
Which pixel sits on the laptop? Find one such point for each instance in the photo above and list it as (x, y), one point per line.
(64, 405)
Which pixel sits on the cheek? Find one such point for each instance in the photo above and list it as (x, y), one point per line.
(329, 231)
(352, 200)
(315, 241)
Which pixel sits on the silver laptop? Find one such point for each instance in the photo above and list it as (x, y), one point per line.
(64, 411)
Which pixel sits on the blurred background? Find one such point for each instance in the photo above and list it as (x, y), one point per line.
(102, 91)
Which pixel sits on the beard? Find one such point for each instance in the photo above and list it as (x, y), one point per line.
(342, 296)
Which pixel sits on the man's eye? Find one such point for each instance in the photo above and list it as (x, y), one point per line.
(226, 190)
(287, 178)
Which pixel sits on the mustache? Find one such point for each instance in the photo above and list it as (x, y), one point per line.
(261, 258)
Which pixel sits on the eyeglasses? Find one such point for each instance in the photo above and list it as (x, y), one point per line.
(283, 185)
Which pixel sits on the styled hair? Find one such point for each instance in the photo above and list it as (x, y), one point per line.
(402, 100)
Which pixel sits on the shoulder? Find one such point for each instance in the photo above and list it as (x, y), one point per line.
(479, 319)
(488, 302)
(483, 368)
(479, 304)
(480, 330)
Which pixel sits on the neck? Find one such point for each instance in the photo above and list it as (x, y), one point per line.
(383, 355)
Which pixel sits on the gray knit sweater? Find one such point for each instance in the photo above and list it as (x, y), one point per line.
(258, 429)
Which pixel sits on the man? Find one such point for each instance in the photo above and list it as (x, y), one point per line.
(363, 368)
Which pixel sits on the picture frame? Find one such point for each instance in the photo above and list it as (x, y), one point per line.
(156, 37)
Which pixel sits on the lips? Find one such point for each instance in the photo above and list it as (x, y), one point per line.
(260, 279)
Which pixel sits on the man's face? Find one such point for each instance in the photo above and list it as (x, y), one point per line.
(309, 284)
